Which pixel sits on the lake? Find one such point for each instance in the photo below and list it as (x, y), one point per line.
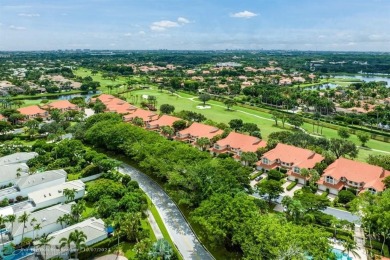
(366, 78)
(70, 96)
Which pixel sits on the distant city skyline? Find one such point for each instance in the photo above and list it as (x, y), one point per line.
(332, 25)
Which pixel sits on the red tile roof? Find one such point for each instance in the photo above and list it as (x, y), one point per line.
(201, 130)
(302, 158)
(243, 142)
(62, 104)
(358, 172)
(141, 113)
(31, 110)
(114, 104)
(164, 120)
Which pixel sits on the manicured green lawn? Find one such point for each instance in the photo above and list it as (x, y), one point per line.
(218, 113)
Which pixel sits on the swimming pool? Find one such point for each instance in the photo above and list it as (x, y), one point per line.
(19, 254)
(340, 255)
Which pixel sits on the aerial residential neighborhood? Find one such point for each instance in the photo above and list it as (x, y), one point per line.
(195, 130)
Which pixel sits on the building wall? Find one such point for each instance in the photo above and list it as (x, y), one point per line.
(37, 233)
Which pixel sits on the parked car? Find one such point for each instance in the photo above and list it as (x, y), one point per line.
(259, 178)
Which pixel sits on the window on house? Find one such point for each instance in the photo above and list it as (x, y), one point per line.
(296, 170)
(329, 179)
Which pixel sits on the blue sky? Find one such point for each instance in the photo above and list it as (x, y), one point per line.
(340, 25)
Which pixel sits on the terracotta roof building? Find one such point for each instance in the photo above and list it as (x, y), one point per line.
(197, 130)
(164, 120)
(344, 173)
(34, 111)
(114, 104)
(145, 115)
(289, 157)
(62, 105)
(237, 143)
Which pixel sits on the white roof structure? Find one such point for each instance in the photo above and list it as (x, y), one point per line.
(9, 172)
(55, 192)
(41, 178)
(45, 217)
(92, 228)
(17, 158)
(6, 211)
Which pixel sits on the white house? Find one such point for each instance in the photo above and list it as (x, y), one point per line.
(93, 228)
(10, 173)
(21, 157)
(47, 218)
(35, 182)
(55, 194)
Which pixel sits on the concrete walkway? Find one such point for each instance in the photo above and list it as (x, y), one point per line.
(179, 230)
(156, 229)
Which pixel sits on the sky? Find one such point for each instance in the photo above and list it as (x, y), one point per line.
(329, 25)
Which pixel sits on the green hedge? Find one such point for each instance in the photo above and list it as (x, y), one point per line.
(254, 176)
(376, 245)
(291, 185)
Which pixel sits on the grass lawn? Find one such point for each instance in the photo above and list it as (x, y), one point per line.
(82, 72)
(218, 113)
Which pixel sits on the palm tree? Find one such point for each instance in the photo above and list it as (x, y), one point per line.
(32, 222)
(77, 210)
(70, 194)
(23, 219)
(3, 220)
(62, 220)
(11, 219)
(37, 227)
(335, 222)
(79, 238)
(44, 241)
(350, 247)
(66, 242)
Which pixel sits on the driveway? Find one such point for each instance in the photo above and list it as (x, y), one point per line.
(178, 228)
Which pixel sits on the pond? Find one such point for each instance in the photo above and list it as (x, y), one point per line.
(366, 78)
(86, 96)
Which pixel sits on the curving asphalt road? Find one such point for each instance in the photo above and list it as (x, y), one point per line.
(178, 229)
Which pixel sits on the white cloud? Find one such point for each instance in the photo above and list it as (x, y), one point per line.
(163, 25)
(17, 28)
(127, 34)
(244, 14)
(183, 20)
(29, 15)
(141, 33)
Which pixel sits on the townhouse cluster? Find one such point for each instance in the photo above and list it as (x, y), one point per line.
(42, 111)
(341, 174)
(43, 196)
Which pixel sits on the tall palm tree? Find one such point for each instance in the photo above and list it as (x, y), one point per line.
(66, 242)
(44, 241)
(3, 220)
(23, 219)
(11, 219)
(77, 210)
(350, 247)
(78, 238)
(32, 222)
